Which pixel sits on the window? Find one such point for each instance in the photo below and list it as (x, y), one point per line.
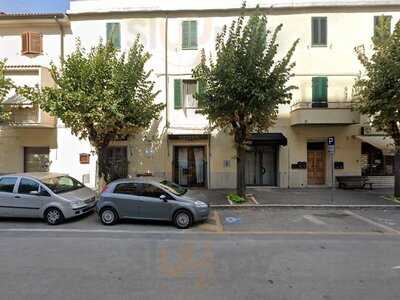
(32, 43)
(36, 159)
(184, 91)
(320, 92)
(114, 34)
(7, 184)
(189, 35)
(152, 191)
(128, 189)
(382, 26)
(319, 31)
(26, 186)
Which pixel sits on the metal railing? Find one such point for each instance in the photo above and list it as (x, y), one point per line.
(322, 105)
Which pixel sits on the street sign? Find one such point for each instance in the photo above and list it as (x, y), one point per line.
(331, 144)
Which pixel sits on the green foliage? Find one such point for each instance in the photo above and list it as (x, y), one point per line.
(100, 95)
(244, 85)
(236, 198)
(378, 90)
(5, 86)
(382, 30)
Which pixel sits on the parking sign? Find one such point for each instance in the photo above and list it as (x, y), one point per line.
(331, 144)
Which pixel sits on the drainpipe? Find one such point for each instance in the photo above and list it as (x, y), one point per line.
(166, 74)
(61, 40)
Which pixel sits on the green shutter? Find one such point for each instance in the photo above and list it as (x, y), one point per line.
(114, 34)
(201, 86)
(193, 34)
(185, 34)
(177, 93)
(320, 90)
(189, 34)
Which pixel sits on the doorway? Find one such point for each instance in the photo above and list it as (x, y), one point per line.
(117, 157)
(316, 163)
(190, 166)
(261, 166)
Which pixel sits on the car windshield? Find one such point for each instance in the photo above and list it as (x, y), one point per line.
(62, 184)
(174, 188)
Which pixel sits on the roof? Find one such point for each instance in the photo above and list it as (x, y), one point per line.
(17, 100)
(105, 6)
(31, 15)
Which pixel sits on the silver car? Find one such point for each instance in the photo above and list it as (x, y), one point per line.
(53, 197)
(151, 199)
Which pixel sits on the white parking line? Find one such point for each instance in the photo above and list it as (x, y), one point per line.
(314, 220)
(371, 222)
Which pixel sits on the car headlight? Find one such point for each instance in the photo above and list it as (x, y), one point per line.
(77, 204)
(200, 204)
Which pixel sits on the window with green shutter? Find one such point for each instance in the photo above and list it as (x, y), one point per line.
(319, 92)
(319, 31)
(177, 93)
(114, 34)
(189, 35)
(385, 22)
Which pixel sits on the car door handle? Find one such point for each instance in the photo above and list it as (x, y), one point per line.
(17, 197)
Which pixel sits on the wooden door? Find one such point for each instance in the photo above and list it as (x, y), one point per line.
(316, 167)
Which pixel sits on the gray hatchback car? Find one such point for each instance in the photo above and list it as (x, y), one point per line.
(152, 199)
(51, 196)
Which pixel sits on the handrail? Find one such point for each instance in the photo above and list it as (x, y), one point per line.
(322, 105)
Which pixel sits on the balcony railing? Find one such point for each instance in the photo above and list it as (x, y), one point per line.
(323, 113)
(323, 105)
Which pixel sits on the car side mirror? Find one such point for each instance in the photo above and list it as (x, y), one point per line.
(164, 198)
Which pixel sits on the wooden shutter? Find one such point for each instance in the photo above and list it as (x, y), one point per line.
(177, 93)
(114, 34)
(32, 43)
(320, 91)
(319, 31)
(193, 34)
(185, 34)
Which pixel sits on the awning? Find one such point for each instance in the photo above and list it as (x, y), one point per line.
(384, 143)
(16, 99)
(188, 137)
(268, 139)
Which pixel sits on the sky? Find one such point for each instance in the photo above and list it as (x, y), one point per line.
(35, 6)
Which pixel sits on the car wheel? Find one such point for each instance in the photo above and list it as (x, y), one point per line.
(183, 219)
(53, 216)
(108, 216)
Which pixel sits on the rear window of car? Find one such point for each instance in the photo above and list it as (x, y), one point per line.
(7, 184)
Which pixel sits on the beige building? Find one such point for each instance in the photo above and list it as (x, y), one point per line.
(180, 146)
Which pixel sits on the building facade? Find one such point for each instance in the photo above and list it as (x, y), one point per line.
(180, 146)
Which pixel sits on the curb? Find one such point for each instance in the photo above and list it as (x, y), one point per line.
(308, 206)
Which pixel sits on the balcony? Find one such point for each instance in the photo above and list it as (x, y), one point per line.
(29, 116)
(323, 113)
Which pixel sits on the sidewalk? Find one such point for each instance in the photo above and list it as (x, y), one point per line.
(307, 197)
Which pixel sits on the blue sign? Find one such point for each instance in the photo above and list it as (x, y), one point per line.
(331, 141)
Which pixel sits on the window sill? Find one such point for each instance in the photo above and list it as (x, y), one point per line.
(319, 46)
(185, 49)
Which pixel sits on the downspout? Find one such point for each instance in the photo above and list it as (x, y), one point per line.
(166, 74)
(62, 33)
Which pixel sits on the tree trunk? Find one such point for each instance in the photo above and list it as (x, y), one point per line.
(103, 167)
(397, 171)
(241, 168)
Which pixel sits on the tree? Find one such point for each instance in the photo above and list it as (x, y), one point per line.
(378, 89)
(101, 95)
(242, 88)
(5, 86)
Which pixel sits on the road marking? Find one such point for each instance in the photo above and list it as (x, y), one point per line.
(371, 222)
(314, 220)
(192, 232)
(396, 268)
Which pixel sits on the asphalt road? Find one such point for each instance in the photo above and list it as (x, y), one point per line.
(239, 254)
